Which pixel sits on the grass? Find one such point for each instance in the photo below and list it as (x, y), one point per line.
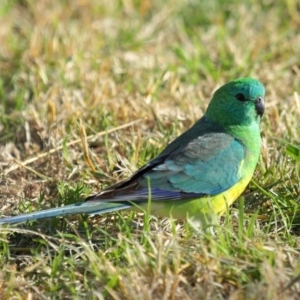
(69, 68)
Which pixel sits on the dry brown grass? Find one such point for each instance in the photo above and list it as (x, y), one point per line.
(109, 63)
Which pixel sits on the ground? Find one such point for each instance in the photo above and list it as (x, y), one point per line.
(92, 90)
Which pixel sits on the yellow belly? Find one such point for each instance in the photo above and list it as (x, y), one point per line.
(200, 208)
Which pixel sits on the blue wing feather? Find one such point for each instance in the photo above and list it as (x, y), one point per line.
(199, 169)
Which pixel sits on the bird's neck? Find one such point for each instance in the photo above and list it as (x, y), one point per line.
(249, 132)
(249, 137)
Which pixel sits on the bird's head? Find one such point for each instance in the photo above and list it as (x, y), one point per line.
(239, 102)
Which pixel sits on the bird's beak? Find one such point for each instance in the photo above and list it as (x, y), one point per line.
(260, 106)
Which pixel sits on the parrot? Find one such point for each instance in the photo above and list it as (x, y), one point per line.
(199, 174)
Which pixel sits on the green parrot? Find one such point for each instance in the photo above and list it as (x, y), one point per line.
(198, 175)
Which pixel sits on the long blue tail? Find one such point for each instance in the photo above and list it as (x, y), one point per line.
(91, 207)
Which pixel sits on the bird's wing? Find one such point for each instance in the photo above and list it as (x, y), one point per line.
(207, 165)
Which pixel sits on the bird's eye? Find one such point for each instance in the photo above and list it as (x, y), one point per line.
(240, 97)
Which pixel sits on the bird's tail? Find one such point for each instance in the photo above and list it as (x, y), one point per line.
(90, 207)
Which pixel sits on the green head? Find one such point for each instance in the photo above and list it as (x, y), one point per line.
(239, 102)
